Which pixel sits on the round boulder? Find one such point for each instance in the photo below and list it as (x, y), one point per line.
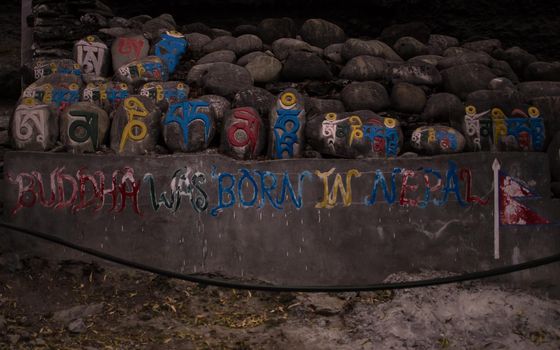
(418, 30)
(365, 95)
(225, 79)
(321, 33)
(364, 68)
(408, 98)
(196, 44)
(464, 79)
(408, 47)
(271, 29)
(444, 108)
(220, 43)
(244, 60)
(247, 43)
(255, 97)
(543, 71)
(284, 46)
(218, 56)
(264, 68)
(532, 89)
(305, 65)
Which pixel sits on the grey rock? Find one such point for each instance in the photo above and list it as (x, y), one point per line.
(122, 22)
(554, 157)
(189, 126)
(467, 57)
(286, 136)
(426, 59)
(541, 71)
(78, 312)
(444, 108)
(126, 49)
(218, 56)
(196, 41)
(219, 106)
(455, 51)
(414, 73)
(258, 98)
(117, 32)
(356, 134)
(93, 56)
(464, 79)
(264, 69)
(304, 65)
(316, 106)
(364, 68)
(437, 139)
(365, 95)
(407, 98)
(136, 126)
(77, 326)
(501, 84)
(271, 29)
(150, 68)
(517, 58)
(226, 79)
(220, 43)
(140, 18)
(196, 73)
(418, 30)
(321, 33)
(284, 46)
(442, 42)
(532, 89)
(84, 127)
(487, 45)
(408, 47)
(244, 60)
(34, 127)
(156, 26)
(243, 134)
(357, 47)
(198, 27)
(334, 53)
(221, 32)
(506, 100)
(503, 69)
(247, 43)
(245, 29)
(549, 108)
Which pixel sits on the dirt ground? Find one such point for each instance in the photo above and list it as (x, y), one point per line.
(80, 305)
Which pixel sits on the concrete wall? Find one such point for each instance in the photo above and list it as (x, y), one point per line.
(308, 236)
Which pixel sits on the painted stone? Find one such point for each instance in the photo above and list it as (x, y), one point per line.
(83, 127)
(107, 95)
(355, 135)
(126, 49)
(493, 130)
(136, 126)
(33, 127)
(92, 55)
(243, 134)
(287, 125)
(165, 93)
(56, 90)
(170, 48)
(43, 68)
(189, 126)
(148, 69)
(437, 139)
(219, 106)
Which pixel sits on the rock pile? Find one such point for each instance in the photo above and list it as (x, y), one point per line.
(278, 89)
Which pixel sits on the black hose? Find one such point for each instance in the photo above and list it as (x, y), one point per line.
(275, 288)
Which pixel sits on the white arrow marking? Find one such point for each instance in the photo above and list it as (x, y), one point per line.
(496, 168)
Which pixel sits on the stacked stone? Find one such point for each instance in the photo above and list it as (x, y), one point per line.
(57, 24)
(278, 90)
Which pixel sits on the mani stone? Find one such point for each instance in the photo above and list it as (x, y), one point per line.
(437, 139)
(321, 33)
(136, 126)
(360, 134)
(365, 95)
(255, 97)
(189, 126)
(170, 47)
(34, 127)
(243, 134)
(126, 49)
(43, 68)
(148, 69)
(83, 127)
(522, 129)
(287, 125)
(165, 93)
(93, 56)
(107, 95)
(56, 90)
